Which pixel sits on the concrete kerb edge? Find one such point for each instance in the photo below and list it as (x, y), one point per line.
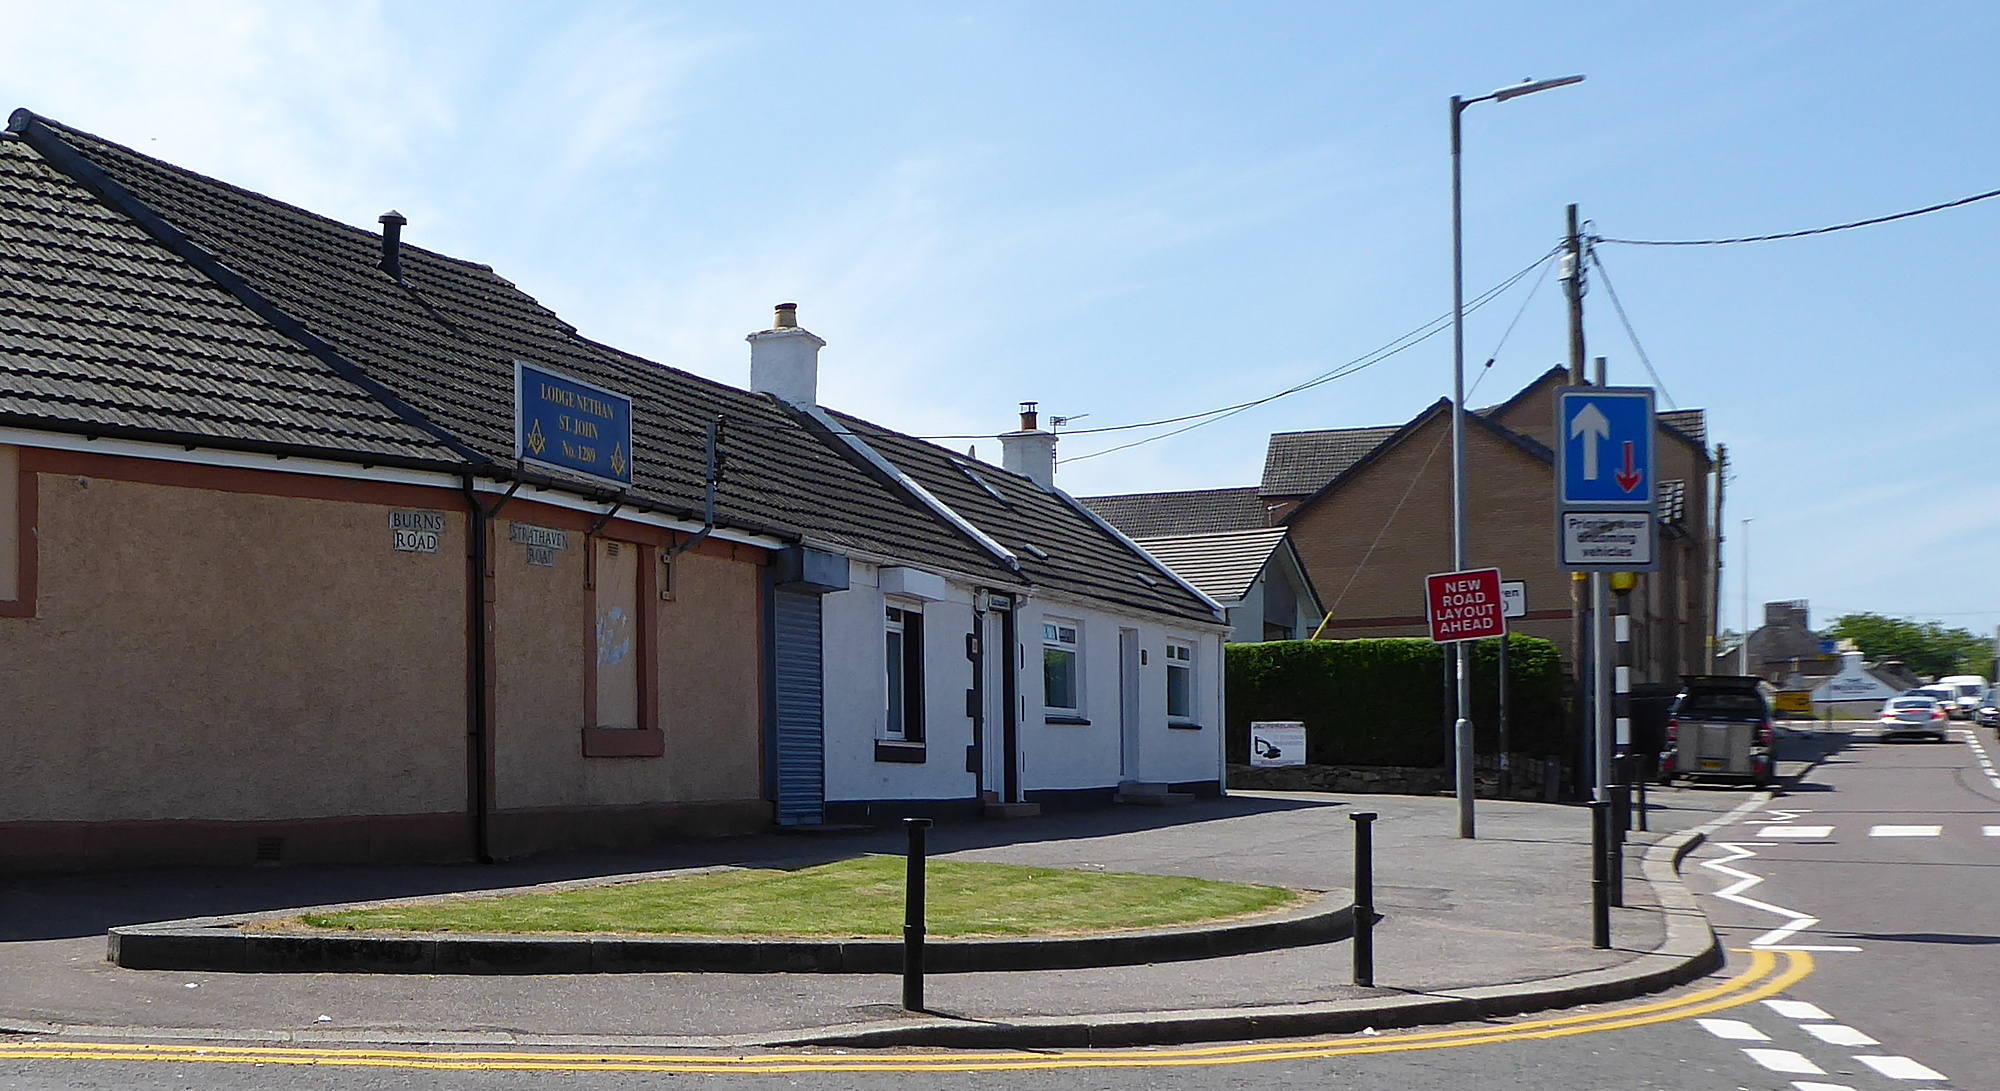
(1688, 950)
(215, 944)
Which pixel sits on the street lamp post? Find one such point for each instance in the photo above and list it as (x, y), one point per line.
(1462, 730)
(1743, 643)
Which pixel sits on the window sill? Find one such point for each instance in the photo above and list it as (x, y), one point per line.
(904, 753)
(623, 742)
(1183, 725)
(1066, 718)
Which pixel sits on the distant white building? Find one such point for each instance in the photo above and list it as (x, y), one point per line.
(1856, 686)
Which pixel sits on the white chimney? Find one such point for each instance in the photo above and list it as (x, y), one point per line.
(1030, 452)
(784, 360)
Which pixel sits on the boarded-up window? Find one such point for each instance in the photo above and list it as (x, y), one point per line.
(618, 633)
(11, 544)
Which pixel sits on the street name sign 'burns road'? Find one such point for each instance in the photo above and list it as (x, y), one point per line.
(1607, 512)
(1464, 605)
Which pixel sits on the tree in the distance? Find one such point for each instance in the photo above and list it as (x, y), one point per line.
(1927, 646)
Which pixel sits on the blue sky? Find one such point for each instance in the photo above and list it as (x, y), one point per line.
(1142, 210)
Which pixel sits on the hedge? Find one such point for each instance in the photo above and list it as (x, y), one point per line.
(1390, 702)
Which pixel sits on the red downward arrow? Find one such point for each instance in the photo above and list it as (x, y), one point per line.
(1628, 478)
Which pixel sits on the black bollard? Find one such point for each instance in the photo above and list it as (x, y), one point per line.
(1646, 773)
(913, 915)
(1621, 811)
(1364, 898)
(1600, 867)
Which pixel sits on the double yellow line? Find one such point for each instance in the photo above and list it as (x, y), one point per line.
(1767, 975)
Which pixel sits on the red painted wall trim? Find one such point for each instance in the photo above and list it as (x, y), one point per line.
(29, 549)
(314, 487)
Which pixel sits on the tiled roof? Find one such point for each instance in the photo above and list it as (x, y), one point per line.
(103, 330)
(1224, 565)
(1195, 511)
(1059, 546)
(1298, 463)
(1692, 423)
(445, 341)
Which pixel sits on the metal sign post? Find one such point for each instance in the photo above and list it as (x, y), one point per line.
(1607, 517)
(1464, 606)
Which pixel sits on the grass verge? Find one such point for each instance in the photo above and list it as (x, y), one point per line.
(851, 898)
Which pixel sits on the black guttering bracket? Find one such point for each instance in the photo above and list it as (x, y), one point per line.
(90, 176)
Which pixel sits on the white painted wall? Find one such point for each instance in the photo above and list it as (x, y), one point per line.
(1066, 756)
(857, 699)
(1053, 756)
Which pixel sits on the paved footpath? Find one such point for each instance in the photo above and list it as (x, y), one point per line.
(1506, 910)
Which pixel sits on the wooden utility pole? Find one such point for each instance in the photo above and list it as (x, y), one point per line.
(1715, 561)
(1579, 596)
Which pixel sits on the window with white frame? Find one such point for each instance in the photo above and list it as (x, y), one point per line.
(1180, 680)
(1061, 685)
(903, 668)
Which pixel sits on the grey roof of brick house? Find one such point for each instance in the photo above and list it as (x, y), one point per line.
(444, 341)
(1224, 564)
(1298, 463)
(1192, 511)
(1692, 423)
(1058, 546)
(104, 332)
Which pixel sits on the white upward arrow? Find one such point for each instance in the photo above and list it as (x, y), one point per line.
(1591, 425)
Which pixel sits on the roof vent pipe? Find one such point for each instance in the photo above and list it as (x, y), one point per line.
(392, 223)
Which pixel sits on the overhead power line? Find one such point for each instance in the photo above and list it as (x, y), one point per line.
(1618, 306)
(1360, 363)
(1802, 234)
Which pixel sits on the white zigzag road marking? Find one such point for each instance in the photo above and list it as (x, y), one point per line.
(1795, 921)
(1985, 762)
(1778, 816)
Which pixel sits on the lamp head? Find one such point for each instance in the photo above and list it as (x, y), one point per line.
(1529, 87)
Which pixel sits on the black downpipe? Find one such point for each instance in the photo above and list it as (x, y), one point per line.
(1010, 734)
(478, 743)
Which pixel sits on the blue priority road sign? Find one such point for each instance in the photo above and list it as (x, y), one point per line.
(1604, 447)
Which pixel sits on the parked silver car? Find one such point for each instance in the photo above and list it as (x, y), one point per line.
(1908, 715)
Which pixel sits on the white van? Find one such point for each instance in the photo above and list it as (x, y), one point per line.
(1965, 693)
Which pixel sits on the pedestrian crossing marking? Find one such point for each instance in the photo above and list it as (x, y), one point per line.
(1797, 1009)
(1905, 831)
(1836, 1034)
(1899, 1068)
(1785, 1060)
(1735, 1030)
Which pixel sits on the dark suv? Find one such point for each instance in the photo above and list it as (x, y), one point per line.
(1720, 727)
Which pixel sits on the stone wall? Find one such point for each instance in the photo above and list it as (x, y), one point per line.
(1534, 779)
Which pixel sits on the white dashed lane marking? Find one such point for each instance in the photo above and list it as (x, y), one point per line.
(1785, 1060)
(1905, 831)
(1835, 1034)
(1993, 831)
(1899, 1068)
(1796, 831)
(1735, 1030)
(1797, 1009)
(1814, 1085)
